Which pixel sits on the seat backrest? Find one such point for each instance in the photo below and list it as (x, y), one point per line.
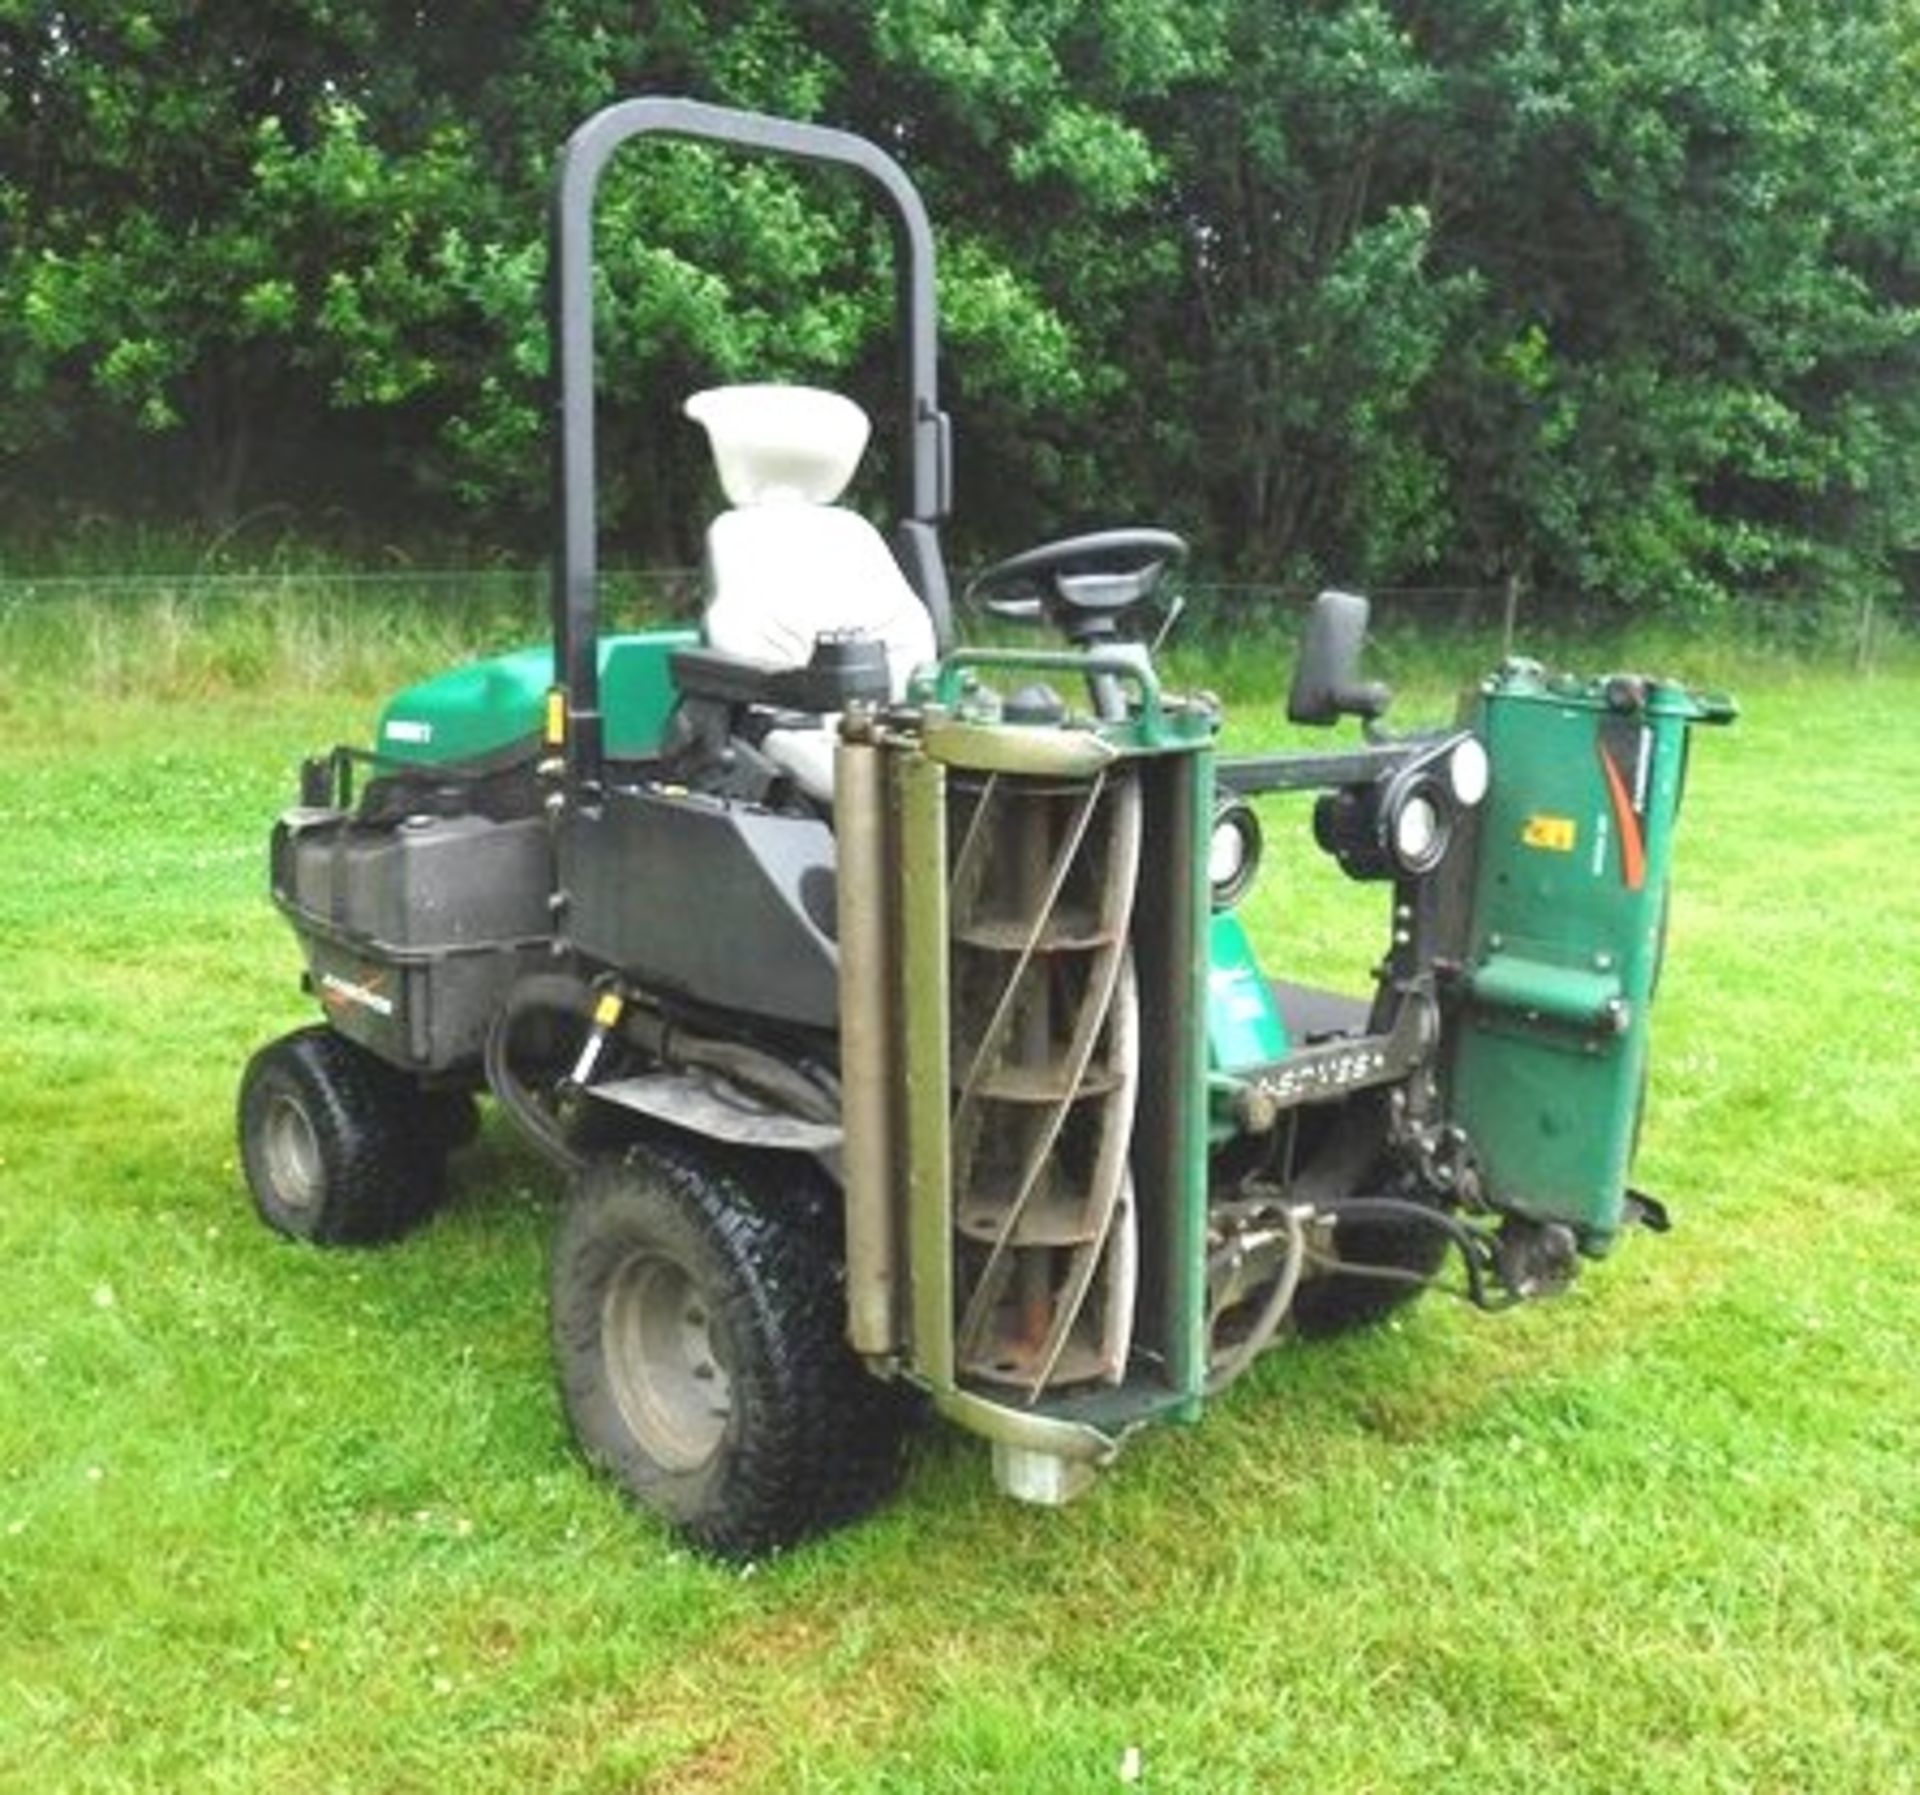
(781, 574)
(786, 564)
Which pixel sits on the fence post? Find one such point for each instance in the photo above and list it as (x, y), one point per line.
(1509, 614)
(1863, 650)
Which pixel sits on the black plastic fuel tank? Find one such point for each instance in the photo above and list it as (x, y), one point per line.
(414, 929)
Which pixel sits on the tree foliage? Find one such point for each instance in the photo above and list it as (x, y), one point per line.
(1623, 295)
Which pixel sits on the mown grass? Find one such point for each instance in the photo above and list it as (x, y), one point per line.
(272, 1518)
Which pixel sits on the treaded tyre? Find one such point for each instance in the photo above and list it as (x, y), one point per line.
(335, 1148)
(698, 1315)
(1339, 1302)
(450, 1117)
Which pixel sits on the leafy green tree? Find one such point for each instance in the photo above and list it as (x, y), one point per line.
(1694, 370)
(215, 213)
(1045, 196)
(279, 240)
(1620, 294)
(1319, 314)
(1617, 294)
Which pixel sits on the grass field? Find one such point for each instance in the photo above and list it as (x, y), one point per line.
(278, 1519)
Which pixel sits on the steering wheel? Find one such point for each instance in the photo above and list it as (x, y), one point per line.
(1083, 583)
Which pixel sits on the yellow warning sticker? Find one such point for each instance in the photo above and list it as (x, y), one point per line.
(1551, 832)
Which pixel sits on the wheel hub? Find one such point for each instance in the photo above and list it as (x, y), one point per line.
(663, 1363)
(292, 1153)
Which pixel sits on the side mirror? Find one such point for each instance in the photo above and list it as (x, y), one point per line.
(1326, 680)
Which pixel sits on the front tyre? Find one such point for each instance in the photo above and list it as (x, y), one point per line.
(1340, 1300)
(334, 1147)
(698, 1331)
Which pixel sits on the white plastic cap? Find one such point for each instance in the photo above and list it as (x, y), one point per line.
(774, 445)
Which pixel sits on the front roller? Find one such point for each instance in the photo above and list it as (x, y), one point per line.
(699, 1334)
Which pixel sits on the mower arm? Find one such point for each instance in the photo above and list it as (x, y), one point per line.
(1249, 775)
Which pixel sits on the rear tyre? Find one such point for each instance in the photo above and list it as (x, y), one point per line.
(335, 1147)
(698, 1332)
(1337, 1302)
(450, 1117)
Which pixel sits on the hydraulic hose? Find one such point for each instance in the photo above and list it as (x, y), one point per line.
(559, 993)
(1473, 1245)
(1266, 1324)
(565, 995)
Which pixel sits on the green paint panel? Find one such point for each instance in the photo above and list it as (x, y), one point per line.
(1187, 1323)
(1548, 1055)
(637, 693)
(1244, 1025)
(493, 705)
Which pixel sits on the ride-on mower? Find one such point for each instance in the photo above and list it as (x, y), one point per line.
(884, 1001)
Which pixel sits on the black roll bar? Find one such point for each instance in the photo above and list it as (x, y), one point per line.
(926, 459)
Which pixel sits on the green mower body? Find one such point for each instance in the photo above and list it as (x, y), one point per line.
(498, 706)
(892, 1027)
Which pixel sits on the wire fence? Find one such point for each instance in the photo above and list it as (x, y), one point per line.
(491, 601)
(662, 586)
(1516, 613)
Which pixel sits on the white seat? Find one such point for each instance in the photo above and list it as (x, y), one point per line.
(786, 564)
(781, 575)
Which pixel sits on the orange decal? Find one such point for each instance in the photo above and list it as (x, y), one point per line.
(1633, 847)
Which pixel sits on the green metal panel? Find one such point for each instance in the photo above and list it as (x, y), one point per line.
(1548, 1053)
(1539, 991)
(469, 712)
(1187, 1296)
(636, 689)
(491, 706)
(1244, 1025)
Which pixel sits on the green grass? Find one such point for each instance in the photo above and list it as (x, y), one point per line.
(195, 636)
(278, 1519)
